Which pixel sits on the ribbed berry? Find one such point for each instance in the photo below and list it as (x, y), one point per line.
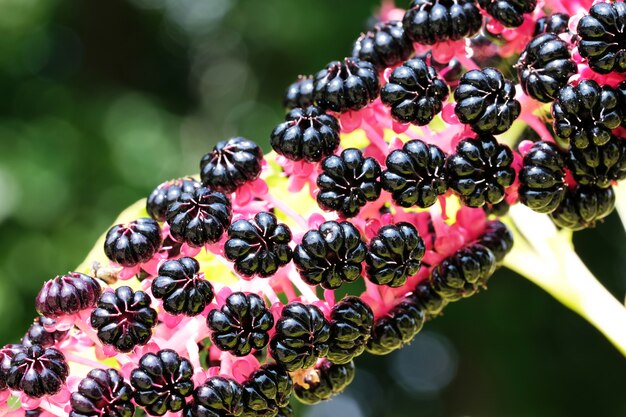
(200, 217)
(133, 243)
(300, 93)
(258, 246)
(601, 39)
(508, 12)
(415, 93)
(217, 397)
(542, 179)
(351, 322)
(586, 113)
(346, 85)
(330, 255)
(583, 206)
(102, 393)
(37, 371)
(429, 302)
(599, 165)
(182, 287)
(485, 100)
(67, 294)
(497, 210)
(556, 23)
(7, 353)
(266, 391)
(38, 335)
(397, 328)
(231, 164)
(124, 319)
(167, 193)
(301, 337)
(241, 324)
(384, 46)
(428, 22)
(162, 382)
(415, 175)
(480, 170)
(324, 382)
(498, 239)
(307, 134)
(394, 254)
(347, 182)
(545, 66)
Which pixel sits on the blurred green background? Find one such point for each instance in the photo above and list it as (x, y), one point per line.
(103, 100)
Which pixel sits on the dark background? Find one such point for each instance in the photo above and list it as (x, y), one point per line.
(102, 100)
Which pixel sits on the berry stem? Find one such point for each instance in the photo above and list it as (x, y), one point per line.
(279, 205)
(71, 357)
(52, 409)
(467, 62)
(375, 137)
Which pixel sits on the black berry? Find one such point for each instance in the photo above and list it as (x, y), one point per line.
(601, 37)
(231, 164)
(102, 393)
(498, 239)
(7, 353)
(267, 391)
(324, 382)
(429, 302)
(38, 335)
(397, 328)
(556, 23)
(167, 193)
(542, 179)
(384, 46)
(508, 12)
(67, 294)
(428, 22)
(133, 243)
(583, 206)
(217, 397)
(351, 322)
(37, 371)
(599, 165)
(300, 93)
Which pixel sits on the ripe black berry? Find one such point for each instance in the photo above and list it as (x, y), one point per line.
(397, 328)
(428, 22)
(162, 382)
(542, 179)
(324, 382)
(37, 371)
(231, 164)
(266, 391)
(300, 93)
(486, 101)
(415, 175)
(351, 323)
(38, 335)
(599, 165)
(601, 37)
(345, 85)
(133, 243)
(67, 294)
(200, 217)
(586, 113)
(7, 353)
(583, 206)
(217, 397)
(167, 193)
(556, 23)
(545, 66)
(301, 337)
(242, 324)
(102, 393)
(307, 133)
(497, 210)
(480, 170)
(330, 255)
(414, 92)
(384, 46)
(183, 289)
(258, 246)
(395, 254)
(431, 303)
(498, 239)
(124, 318)
(347, 182)
(508, 12)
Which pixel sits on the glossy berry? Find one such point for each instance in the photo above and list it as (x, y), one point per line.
(231, 164)
(67, 294)
(124, 319)
(351, 322)
(102, 393)
(397, 328)
(486, 101)
(428, 301)
(38, 335)
(583, 206)
(167, 193)
(266, 391)
(480, 170)
(300, 93)
(133, 243)
(586, 113)
(414, 93)
(542, 177)
(7, 353)
(556, 23)
(302, 336)
(242, 324)
(307, 134)
(346, 85)
(601, 37)
(162, 382)
(415, 175)
(428, 22)
(384, 46)
(347, 182)
(182, 287)
(324, 382)
(508, 12)
(217, 397)
(545, 66)
(498, 239)
(395, 254)
(330, 255)
(200, 217)
(37, 371)
(500, 209)
(599, 165)
(258, 246)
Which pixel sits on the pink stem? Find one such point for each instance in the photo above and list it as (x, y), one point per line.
(467, 62)
(88, 331)
(329, 296)
(53, 409)
(83, 361)
(294, 215)
(375, 137)
(373, 291)
(538, 126)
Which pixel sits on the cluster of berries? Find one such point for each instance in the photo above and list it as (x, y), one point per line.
(219, 299)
